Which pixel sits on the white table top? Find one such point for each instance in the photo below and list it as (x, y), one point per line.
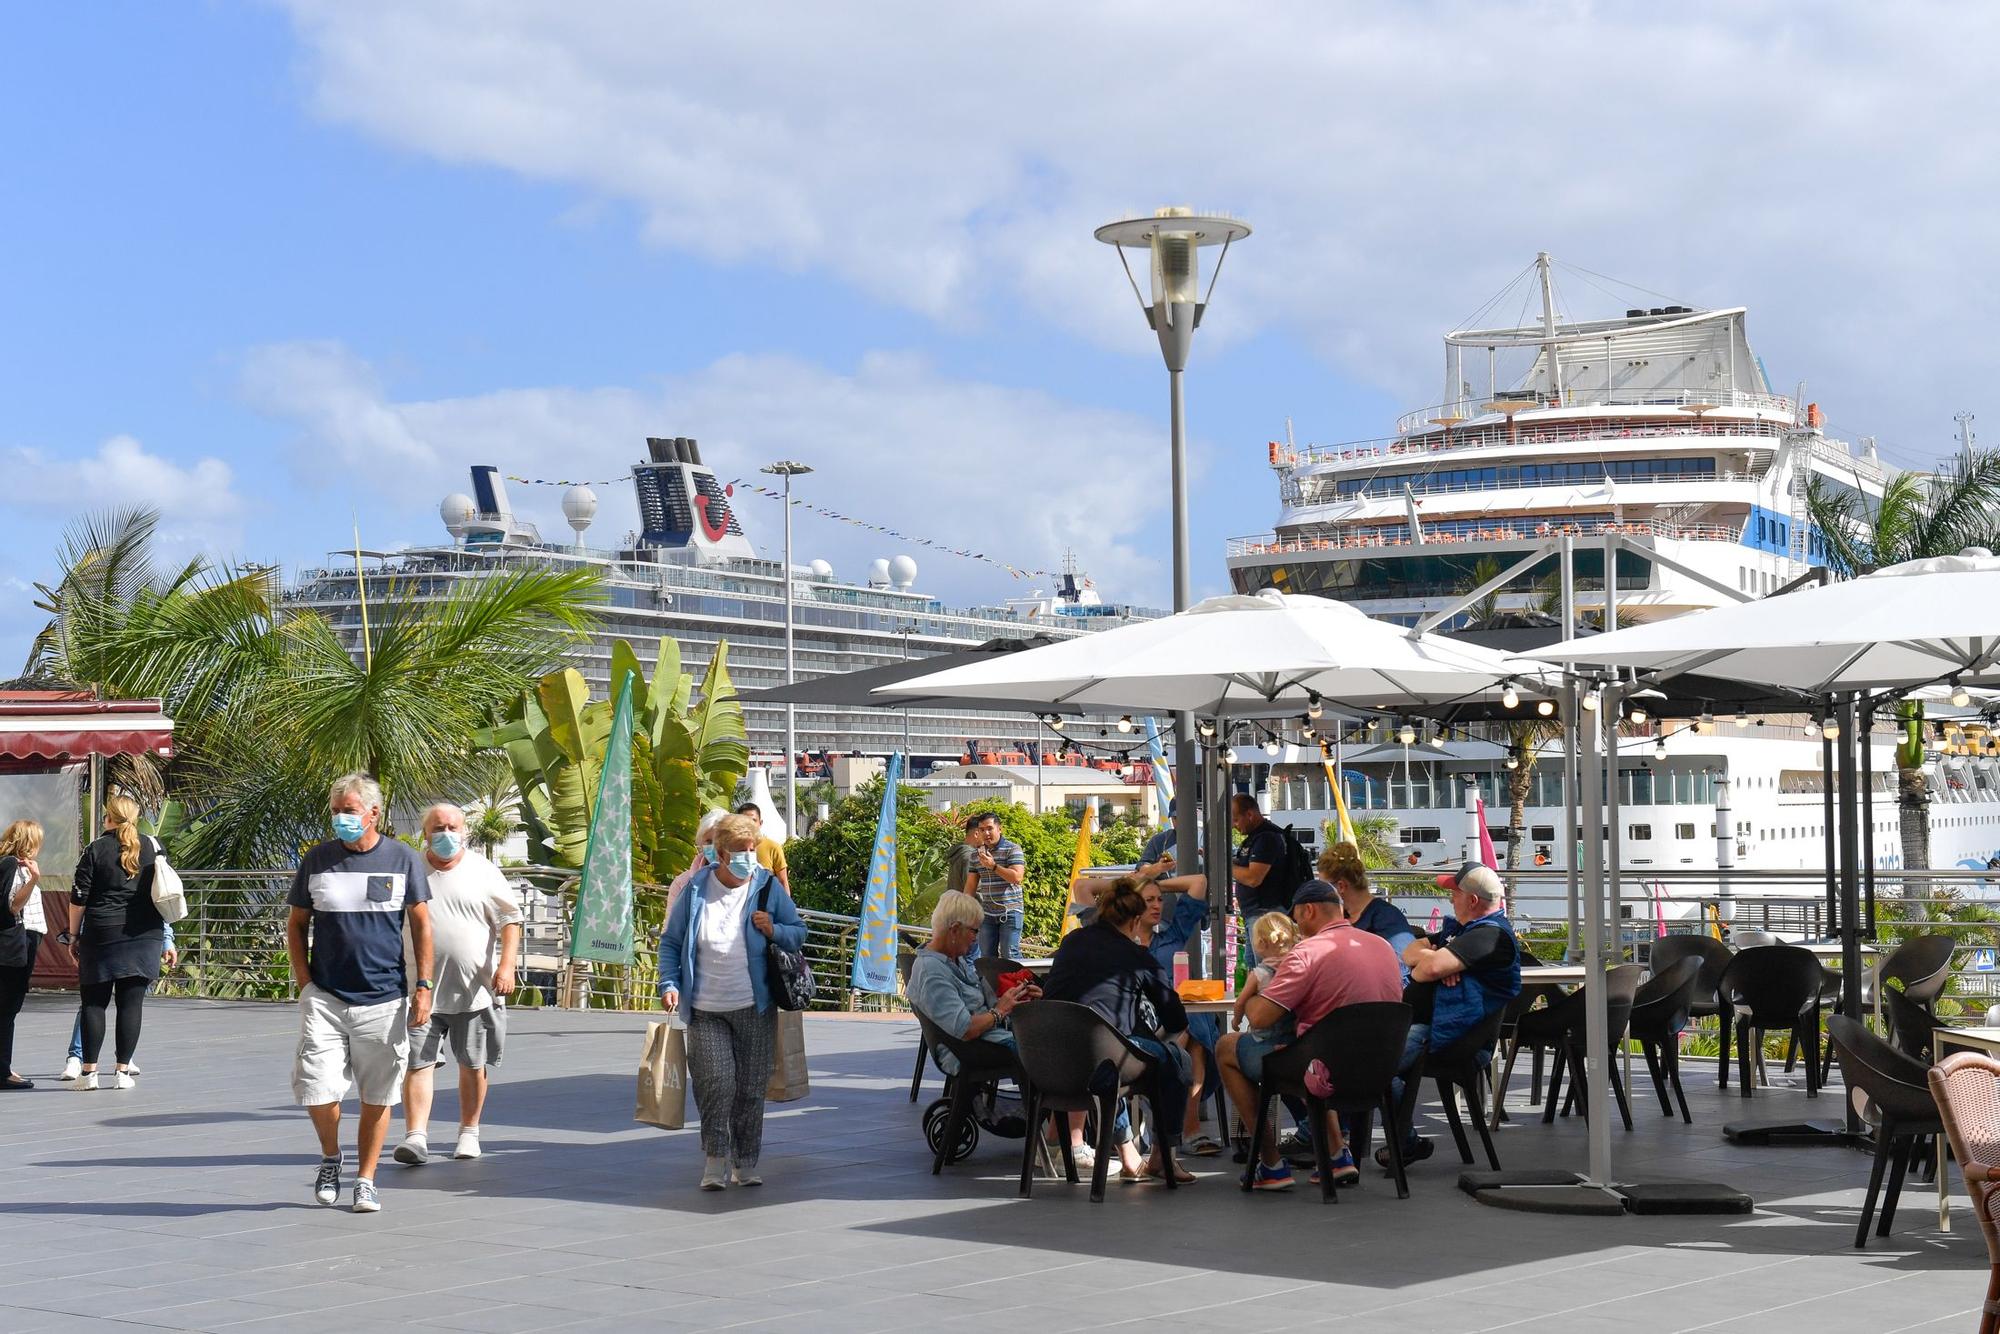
(1830, 949)
(1985, 1039)
(1036, 965)
(1567, 974)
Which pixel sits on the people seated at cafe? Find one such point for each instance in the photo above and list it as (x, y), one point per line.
(1459, 975)
(1341, 866)
(1109, 966)
(947, 988)
(1331, 966)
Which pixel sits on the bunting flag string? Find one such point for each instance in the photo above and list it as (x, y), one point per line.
(772, 493)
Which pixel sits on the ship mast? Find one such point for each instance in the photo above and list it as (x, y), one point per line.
(1549, 329)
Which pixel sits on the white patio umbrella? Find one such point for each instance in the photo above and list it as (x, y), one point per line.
(1251, 655)
(1902, 626)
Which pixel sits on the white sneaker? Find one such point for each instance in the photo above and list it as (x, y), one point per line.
(468, 1143)
(415, 1150)
(123, 1080)
(714, 1174)
(748, 1175)
(87, 1083)
(72, 1069)
(131, 1067)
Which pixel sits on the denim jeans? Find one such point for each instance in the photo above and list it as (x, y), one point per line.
(999, 936)
(1166, 1088)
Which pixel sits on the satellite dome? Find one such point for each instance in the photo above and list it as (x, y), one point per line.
(902, 572)
(878, 573)
(457, 511)
(579, 505)
(821, 570)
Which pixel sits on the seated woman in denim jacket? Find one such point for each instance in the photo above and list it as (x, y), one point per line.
(948, 989)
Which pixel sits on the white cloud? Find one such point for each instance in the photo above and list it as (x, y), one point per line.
(337, 401)
(1818, 163)
(122, 473)
(1014, 474)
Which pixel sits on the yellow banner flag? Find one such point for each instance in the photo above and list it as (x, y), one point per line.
(1078, 862)
(1340, 805)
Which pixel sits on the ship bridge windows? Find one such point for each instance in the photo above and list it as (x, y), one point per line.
(1416, 572)
(1562, 473)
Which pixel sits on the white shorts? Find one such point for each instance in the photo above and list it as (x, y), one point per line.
(342, 1044)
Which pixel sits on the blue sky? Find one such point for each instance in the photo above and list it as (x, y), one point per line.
(279, 266)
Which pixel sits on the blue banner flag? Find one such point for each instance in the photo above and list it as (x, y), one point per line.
(875, 948)
(602, 929)
(1163, 774)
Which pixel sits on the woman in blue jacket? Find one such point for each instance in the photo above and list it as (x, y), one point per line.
(714, 952)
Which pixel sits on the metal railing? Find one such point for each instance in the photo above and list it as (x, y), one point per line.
(1271, 544)
(1421, 420)
(232, 946)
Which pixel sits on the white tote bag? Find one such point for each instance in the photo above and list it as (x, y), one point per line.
(168, 896)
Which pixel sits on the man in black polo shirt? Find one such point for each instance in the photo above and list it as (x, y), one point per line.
(1261, 867)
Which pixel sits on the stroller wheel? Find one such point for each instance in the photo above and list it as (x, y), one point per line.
(936, 1116)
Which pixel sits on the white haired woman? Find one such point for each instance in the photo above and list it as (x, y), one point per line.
(948, 989)
(715, 948)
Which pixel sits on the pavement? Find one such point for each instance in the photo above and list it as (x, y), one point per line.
(186, 1204)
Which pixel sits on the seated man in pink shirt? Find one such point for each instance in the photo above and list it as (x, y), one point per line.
(1334, 965)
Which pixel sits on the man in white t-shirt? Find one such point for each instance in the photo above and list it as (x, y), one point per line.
(475, 942)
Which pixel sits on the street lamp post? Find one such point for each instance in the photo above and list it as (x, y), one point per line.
(1173, 239)
(906, 630)
(787, 469)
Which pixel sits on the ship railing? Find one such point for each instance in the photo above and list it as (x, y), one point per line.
(232, 946)
(1391, 488)
(1427, 419)
(1261, 544)
(1397, 448)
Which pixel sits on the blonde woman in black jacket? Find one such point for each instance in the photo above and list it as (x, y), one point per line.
(120, 935)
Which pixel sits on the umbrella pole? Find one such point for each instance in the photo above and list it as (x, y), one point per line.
(1866, 741)
(1572, 802)
(1597, 1022)
(1827, 782)
(1850, 882)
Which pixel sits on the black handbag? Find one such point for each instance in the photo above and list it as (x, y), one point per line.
(789, 975)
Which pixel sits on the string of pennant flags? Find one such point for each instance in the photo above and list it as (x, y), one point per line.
(772, 493)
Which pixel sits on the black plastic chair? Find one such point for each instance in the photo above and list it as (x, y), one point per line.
(1910, 1025)
(1076, 1062)
(1621, 988)
(1360, 1046)
(1457, 1071)
(989, 971)
(1892, 1092)
(1534, 994)
(905, 960)
(980, 1064)
(1715, 956)
(1920, 966)
(1659, 1012)
(1772, 987)
(1539, 1032)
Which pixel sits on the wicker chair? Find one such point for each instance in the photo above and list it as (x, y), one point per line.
(1967, 1090)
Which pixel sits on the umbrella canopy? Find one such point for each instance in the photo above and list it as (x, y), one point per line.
(880, 687)
(1243, 655)
(1906, 625)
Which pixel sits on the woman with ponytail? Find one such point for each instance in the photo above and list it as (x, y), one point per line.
(120, 936)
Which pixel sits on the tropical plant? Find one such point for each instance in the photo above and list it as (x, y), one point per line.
(1371, 839)
(687, 757)
(1920, 515)
(1526, 737)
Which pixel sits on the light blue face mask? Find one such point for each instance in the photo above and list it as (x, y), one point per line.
(742, 864)
(349, 828)
(708, 853)
(447, 842)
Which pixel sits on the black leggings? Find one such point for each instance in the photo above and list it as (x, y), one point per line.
(131, 993)
(13, 990)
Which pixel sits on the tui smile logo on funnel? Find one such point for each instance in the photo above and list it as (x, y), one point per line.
(712, 512)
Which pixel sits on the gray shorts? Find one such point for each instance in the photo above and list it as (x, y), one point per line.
(477, 1039)
(342, 1044)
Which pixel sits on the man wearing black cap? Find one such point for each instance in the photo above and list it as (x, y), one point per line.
(1334, 965)
(1460, 975)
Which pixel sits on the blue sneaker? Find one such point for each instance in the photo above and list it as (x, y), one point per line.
(1345, 1171)
(1272, 1178)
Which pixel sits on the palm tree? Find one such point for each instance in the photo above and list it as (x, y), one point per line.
(1526, 736)
(1920, 515)
(270, 705)
(405, 709)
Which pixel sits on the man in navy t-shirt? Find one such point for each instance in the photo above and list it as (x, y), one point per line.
(354, 893)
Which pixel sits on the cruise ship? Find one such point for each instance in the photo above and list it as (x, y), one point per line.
(690, 573)
(1660, 428)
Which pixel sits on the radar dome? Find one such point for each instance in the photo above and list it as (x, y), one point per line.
(822, 570)
(579, 505)
(457, 511)
(878, 573)
(902, 572)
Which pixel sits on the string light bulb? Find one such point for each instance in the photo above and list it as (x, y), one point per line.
(1591, 699)
(1510, 697)
(1547, 708)
(1830, 728)
(1660, 748)
(1125, 723)
(1812, 727)
(1705, 725)
(1272, 747)
(1512, 763)
(1229, 755)
(1206, 727)
(1636, 716)
(1960, 696)
(1742, 720)
(1406, 734)
(1055, 723)
(1313, 706)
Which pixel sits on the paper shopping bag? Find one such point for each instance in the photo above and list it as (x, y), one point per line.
(663, 1077)
(788, 1059)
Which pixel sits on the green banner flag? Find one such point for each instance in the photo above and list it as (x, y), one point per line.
(602, 928)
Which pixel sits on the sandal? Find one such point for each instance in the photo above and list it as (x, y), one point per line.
(1203, 1146)
(1181, 1175)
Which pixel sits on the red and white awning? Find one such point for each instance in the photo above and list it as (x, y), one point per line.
(55, 727)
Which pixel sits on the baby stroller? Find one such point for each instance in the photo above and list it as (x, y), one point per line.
(973, 1099)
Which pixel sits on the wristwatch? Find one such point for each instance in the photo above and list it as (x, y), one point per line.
(425, 984)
